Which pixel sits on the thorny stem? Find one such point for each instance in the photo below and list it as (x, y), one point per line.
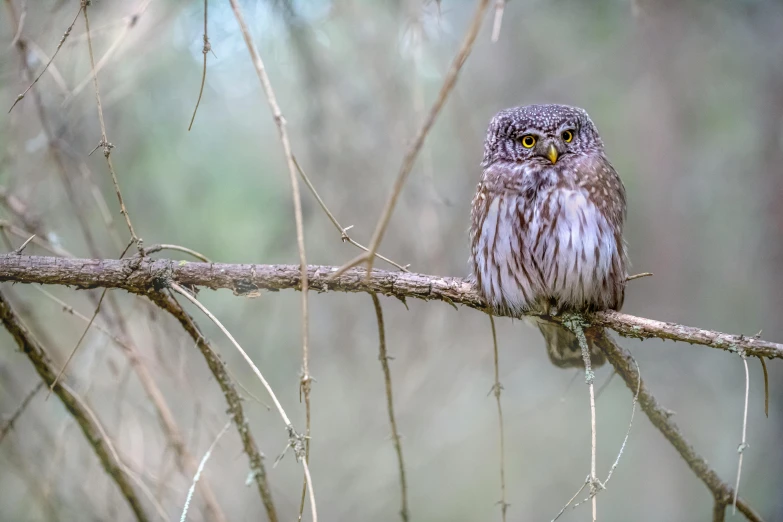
(343, 230)
(743, 445)
(295, 439)
(384, 358)
(576, 324)
(205, 51)
(418, 141)
(93, 432)
(104, 140)
(497, 389)
(57, 50)
(306, 380)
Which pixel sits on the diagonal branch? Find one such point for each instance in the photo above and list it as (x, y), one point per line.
(142, 275)
(418, 141)
(623, 363)
(92, 432)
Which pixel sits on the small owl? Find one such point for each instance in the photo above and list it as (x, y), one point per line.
(547, 223)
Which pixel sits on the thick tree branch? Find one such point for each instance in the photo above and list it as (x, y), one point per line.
(143, 275)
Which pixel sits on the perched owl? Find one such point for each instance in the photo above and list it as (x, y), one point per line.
(547, 223)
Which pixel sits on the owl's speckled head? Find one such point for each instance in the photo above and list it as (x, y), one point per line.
(541, 133)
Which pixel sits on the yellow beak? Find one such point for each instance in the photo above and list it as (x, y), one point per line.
(551, 153)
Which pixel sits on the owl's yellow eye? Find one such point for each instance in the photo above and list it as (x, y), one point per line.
(528, 141)
(567, 136)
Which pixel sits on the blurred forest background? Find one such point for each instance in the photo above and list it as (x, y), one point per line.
(688, 96)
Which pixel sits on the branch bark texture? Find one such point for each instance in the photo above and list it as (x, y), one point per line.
(145, 275)
(73, 404)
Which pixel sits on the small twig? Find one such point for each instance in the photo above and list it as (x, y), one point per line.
(410, 156)
(7, 425)
(104, 140)
(743, 445)
(343, 230)
(766, 385)
(660, 417)
(605, 385)
(166, 246)
(500, 7)
(36, 240)
(92, 430)
(19, 250)
(233, 400)
(497, 388)
(294, 437)
(575, 323)
(59, 46)
(78, 343)
(207, 47)
(625, 439)
(200, 469)
(562, 510)
(390, 404)
(132, 20)
(305, 382)
(638, 276)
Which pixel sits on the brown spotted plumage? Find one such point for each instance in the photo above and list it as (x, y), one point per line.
(547, 222)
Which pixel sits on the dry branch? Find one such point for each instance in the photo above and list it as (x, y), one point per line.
(92, 432)
(235, 409)
(141, 276)
(622, 361)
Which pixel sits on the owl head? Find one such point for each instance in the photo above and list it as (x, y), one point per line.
(544, 134)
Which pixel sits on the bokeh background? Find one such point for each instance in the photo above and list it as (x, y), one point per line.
(688, 96)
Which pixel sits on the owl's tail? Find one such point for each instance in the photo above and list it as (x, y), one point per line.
(563, 347)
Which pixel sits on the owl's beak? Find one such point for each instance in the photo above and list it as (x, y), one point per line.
(551, 153)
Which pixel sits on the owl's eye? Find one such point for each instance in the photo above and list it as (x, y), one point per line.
(528, 141)
(567, 136)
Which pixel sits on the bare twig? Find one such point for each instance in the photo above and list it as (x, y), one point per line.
(305, 382)
(59, 46)
(36, 240)
(661, 418)
(343, 230)
(625, 439)
(165, 246)
(9, 424)
(104, 140)
(207, 47)
(184, 459)
(743, 445)
(21, 248)
(92, 431)
(562, 510)
(766, 386)
(500, 7)
(295, 439)
(52, 143)
(496, 388)
(78, 343)
(383, 357)
(639, 276)
(141, 275)
(418, 141)
(234, 401)
(575, 323)
(132, 20)
(200, 469)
